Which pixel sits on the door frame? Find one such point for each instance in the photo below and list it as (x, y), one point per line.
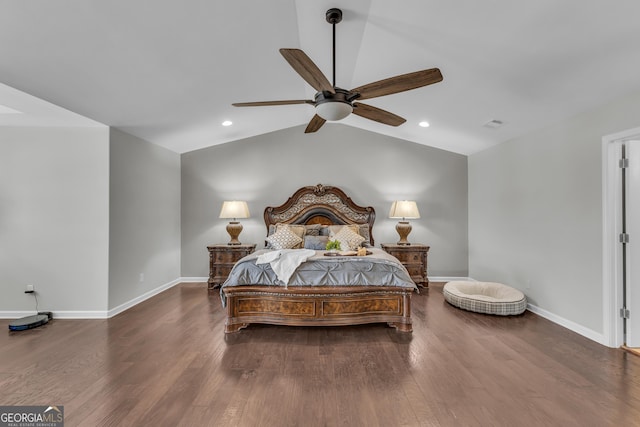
(611, 224)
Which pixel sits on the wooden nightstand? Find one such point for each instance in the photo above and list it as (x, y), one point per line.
(222, 257)
(414, 258)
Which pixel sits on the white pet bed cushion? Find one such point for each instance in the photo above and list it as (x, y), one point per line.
(485, 297)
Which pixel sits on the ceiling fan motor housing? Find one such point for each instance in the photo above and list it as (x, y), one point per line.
(334, 15)
(333, 106)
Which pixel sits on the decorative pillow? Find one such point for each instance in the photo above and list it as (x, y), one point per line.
(334, 229)
(317, 243)
(363, 230)
(284, 238)
(349, 239)
(312, 230)
(298, 230)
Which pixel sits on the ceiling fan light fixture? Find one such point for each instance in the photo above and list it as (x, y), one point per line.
(333, 106)
(334, 110)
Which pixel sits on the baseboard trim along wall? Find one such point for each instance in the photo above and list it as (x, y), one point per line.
(135, 301)
(572, 326)
(450, 279)
(579, 329)
(16, 314)
(60, 314)
(99, 314)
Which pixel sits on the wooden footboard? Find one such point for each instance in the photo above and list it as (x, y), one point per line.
(318, 306)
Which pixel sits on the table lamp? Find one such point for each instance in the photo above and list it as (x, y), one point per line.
(404, 209)
(234, 209)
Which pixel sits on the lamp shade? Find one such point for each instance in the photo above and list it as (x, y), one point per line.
(404, 209)
(234, 209)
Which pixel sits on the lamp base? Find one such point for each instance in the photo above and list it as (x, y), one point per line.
(403, 228)
(234, 228)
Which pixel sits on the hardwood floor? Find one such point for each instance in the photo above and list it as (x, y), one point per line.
(167, 362)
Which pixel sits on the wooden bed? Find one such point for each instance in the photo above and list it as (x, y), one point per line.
(318, 305)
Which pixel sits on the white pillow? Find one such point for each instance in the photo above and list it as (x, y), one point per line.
(349, 240)
(284, 238)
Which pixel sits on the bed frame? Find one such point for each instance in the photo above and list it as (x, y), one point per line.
(318, 305)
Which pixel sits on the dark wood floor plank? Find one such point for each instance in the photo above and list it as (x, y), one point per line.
(168, 362)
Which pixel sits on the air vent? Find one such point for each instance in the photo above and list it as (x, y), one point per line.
(493, 124)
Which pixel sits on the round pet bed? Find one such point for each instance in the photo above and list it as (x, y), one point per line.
(485, 297)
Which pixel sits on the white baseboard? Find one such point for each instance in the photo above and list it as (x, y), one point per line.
(450, 279)
(579, 329)
(16, 314)
(194, 279)
(68, 314)
(137, 300)
(101, 314)
(62, 314)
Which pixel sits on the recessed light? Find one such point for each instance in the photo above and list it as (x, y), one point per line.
(424, 124)
(227, 123)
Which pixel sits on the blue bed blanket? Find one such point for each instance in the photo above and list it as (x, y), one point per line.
(377, 269)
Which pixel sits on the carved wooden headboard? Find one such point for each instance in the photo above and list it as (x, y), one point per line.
(320, 204)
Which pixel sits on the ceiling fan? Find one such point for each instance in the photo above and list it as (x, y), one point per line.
(333, 103)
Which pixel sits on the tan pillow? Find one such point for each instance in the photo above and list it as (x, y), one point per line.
(298, 230)
(284, 238)
(334, 229)
(349, 239)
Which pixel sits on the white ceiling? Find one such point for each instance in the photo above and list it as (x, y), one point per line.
(27, 110)
(167, 71)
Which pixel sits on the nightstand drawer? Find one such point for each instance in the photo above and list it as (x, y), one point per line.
(408, 257)
(222, 258)
(414, 259)
(227, 257)
(415, 270)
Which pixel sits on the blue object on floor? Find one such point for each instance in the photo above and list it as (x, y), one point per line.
(28, 322)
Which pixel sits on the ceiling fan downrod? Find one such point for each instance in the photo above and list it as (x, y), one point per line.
(334, 16)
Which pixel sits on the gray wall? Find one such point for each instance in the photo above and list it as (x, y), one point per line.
(54, 218)
(144, 213)
(373, 169)
(535, 212)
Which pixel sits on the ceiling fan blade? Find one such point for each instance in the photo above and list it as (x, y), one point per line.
(399, 83)
(315, 124)
(266, 103)
(307, 69)
(377, 114)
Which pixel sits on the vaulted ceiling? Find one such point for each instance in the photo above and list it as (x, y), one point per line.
(168, 71)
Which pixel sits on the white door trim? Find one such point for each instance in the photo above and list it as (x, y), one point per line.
(611, 252)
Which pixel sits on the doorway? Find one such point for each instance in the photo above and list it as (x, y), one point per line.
(621, 238)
